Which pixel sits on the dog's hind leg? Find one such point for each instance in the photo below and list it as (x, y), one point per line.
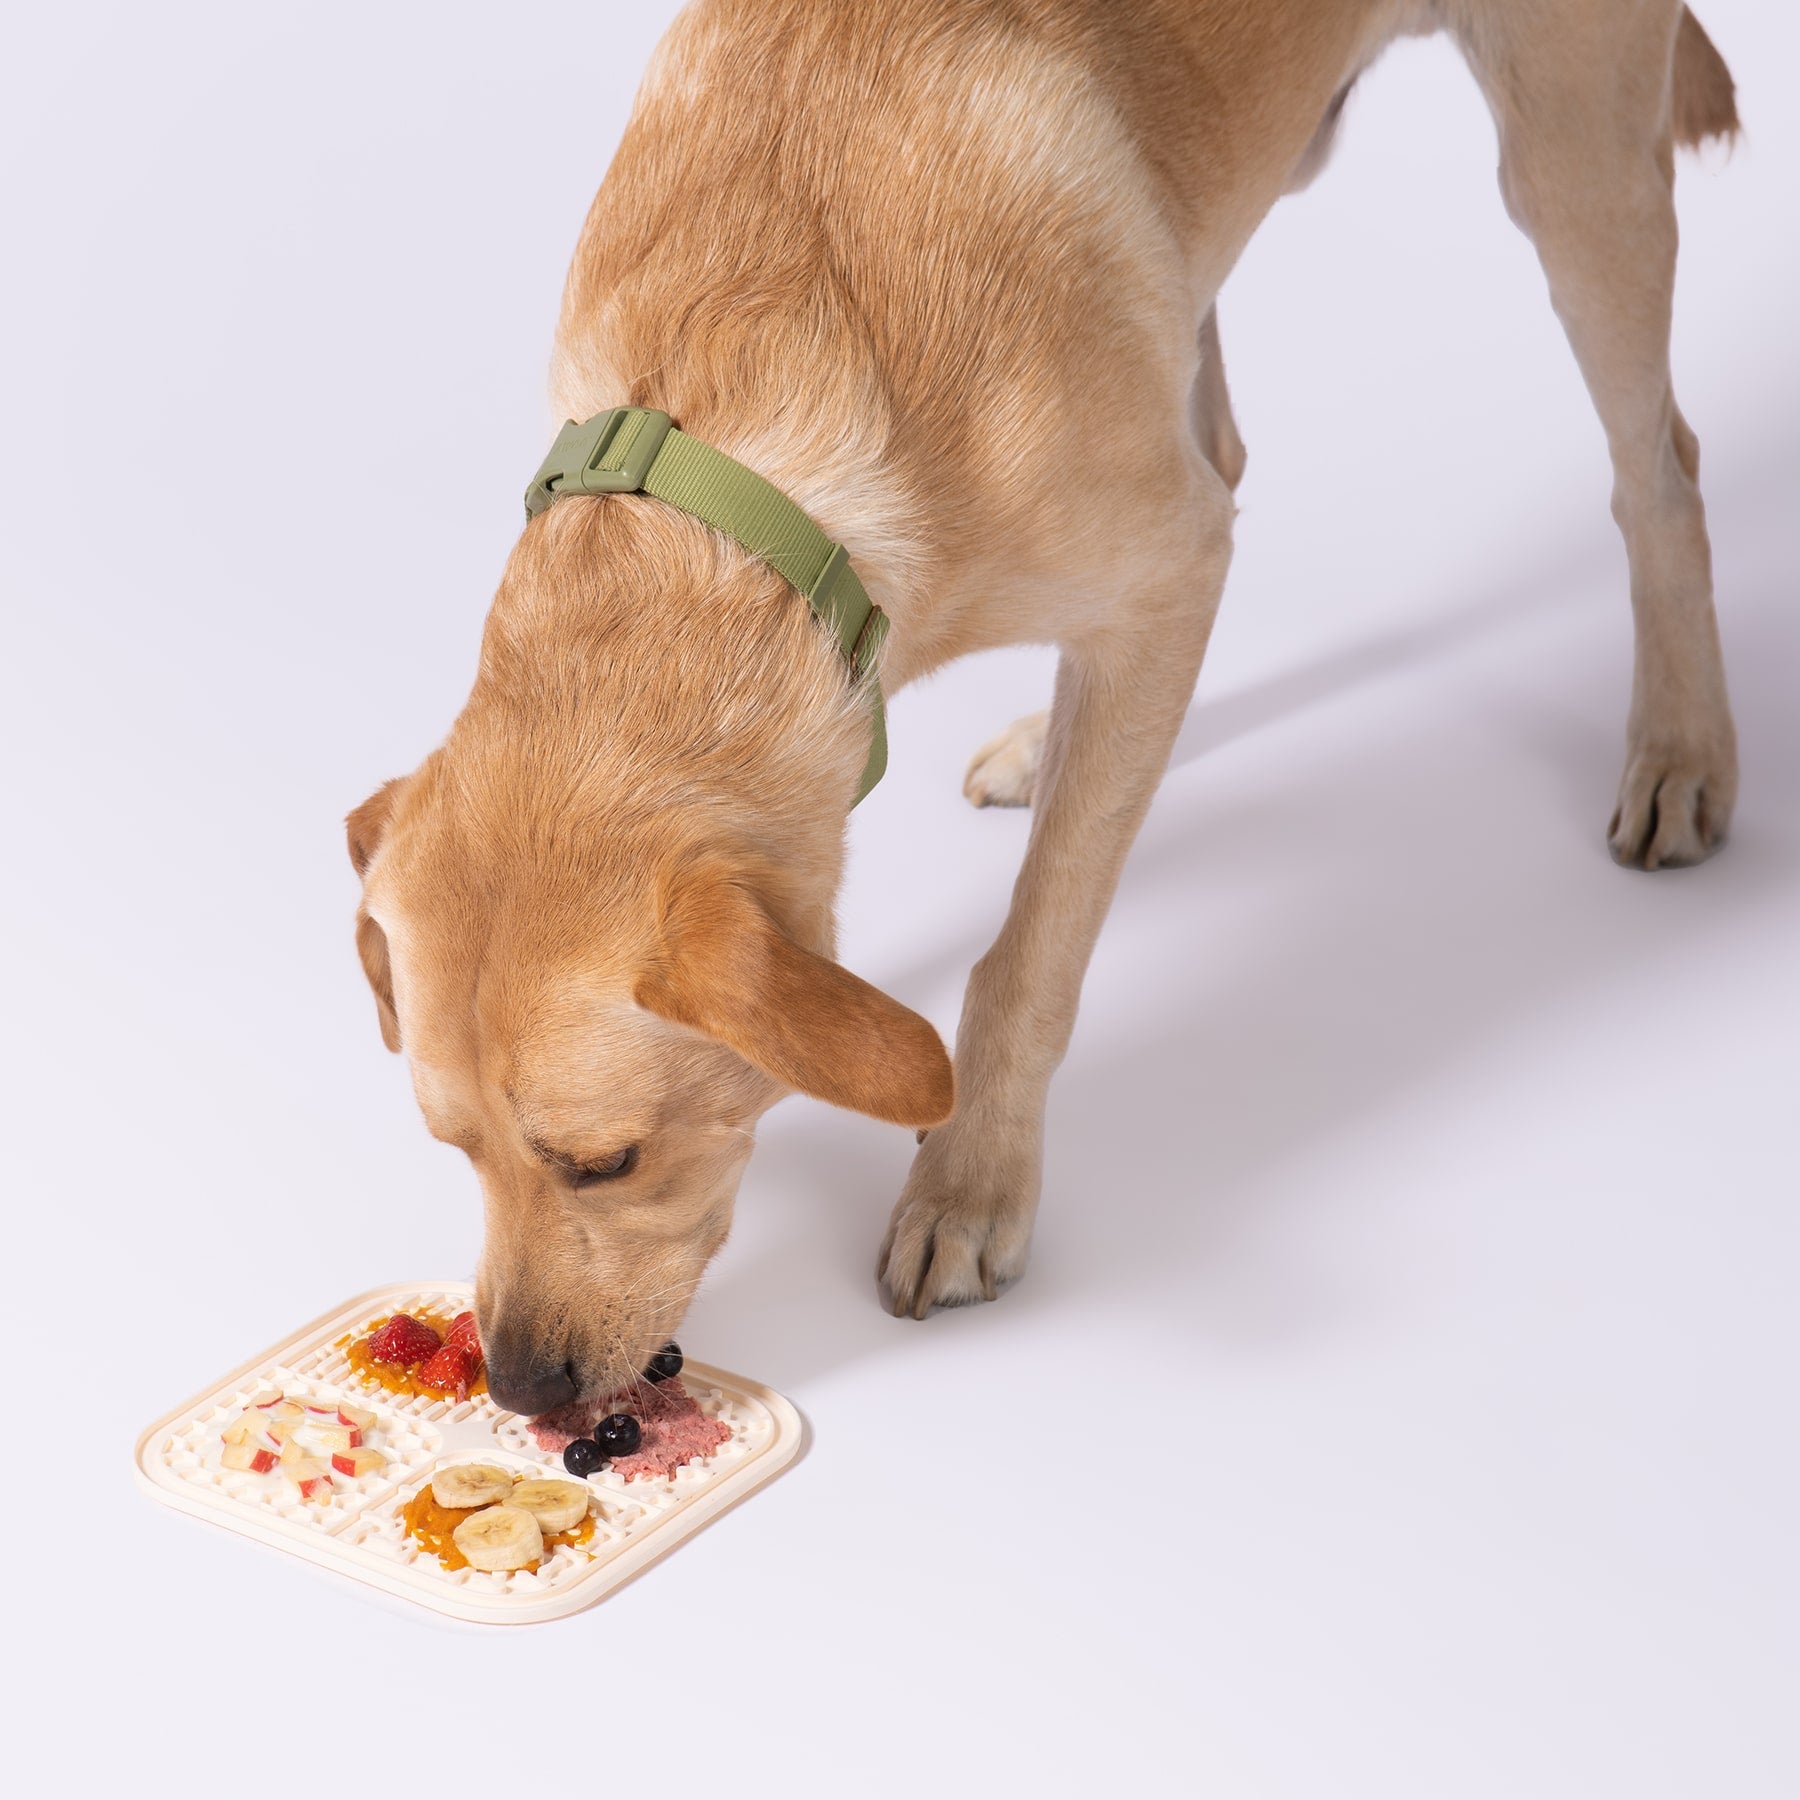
(963, 1222)
(1585, 98)
(1004, 771)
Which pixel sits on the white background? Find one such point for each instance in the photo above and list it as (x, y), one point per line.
(1401, 1401)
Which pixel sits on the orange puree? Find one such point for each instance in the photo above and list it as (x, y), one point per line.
(433, 1527)
(396, 1380)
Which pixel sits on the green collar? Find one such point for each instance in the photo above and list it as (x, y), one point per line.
(631, 450)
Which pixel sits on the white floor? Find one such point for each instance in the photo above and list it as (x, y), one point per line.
(1402, 1401)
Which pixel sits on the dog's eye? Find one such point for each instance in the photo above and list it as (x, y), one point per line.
(609, 1170)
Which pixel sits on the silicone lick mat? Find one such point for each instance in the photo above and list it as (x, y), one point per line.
(358, 1530)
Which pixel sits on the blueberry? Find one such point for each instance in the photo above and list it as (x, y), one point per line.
(583, 1457)
(617, 1435)
(665, 1363)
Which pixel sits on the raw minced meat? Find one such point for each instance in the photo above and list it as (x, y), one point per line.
(674, 1428)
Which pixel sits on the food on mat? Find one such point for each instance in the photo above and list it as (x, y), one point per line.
(450, 1370)
(258, 1459)
(618, 1434)
(556, 1505)
(439, 1529)
(665, 1365)
(302, 1437)
(582, 1456)
(308, 1474)
(403, 1341)
(500, 1537)
(251, 1444)
(673, 1439)
(419, 1353)
(471, 1484)
(672, 1430)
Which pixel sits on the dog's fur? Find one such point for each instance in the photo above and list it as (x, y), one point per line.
(944, 271)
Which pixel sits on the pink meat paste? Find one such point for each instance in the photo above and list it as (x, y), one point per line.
(674, 1428)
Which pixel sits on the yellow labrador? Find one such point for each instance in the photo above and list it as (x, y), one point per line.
(943, 271)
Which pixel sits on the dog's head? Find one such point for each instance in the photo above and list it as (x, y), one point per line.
(599, 1026)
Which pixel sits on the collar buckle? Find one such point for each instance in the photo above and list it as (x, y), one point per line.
(610, 453)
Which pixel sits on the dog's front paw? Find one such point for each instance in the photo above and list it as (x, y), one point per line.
(961, 1228)
(1003, 772)
(1674, 804)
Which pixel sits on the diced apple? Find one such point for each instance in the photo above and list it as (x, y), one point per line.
(279, 1431)
(256, 1459)
(327, 1407)
(267, 1398)
(358, 1462)
(286, 1410)
(359, 1416)
(293, 1453)
(244, 1429)
(309, 1475)
(330, 1438)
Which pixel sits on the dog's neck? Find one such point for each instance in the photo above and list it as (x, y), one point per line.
(655, 692)
(786, 382)
(831, 463)
(771, 363)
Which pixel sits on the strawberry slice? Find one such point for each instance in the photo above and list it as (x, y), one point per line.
(463, 1333)
(403, 1340)
(450, 1370)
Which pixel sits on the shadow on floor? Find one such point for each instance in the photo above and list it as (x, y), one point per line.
(1348, 958)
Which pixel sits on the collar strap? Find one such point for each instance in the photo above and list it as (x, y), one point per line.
(631, 450)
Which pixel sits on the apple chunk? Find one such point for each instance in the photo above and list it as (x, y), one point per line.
(309, 1475)
(256, 1459)
(358, 1461)
(251, 1428)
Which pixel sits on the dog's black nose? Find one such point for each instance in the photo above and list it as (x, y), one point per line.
(528, 1387)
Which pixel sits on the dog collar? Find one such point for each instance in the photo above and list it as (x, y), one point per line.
(633, 450)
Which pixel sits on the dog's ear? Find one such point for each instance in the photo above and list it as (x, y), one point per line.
(364, 829)
(367, 826)
(727, 970)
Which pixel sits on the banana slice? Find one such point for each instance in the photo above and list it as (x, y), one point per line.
(471, 1484)
(500, 1537)
(556, 1505)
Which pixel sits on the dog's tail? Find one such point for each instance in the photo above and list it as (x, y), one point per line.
(1705, 96)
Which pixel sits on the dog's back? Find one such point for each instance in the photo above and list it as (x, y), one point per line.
(842, 241)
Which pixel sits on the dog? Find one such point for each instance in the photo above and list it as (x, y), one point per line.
(944, 272)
